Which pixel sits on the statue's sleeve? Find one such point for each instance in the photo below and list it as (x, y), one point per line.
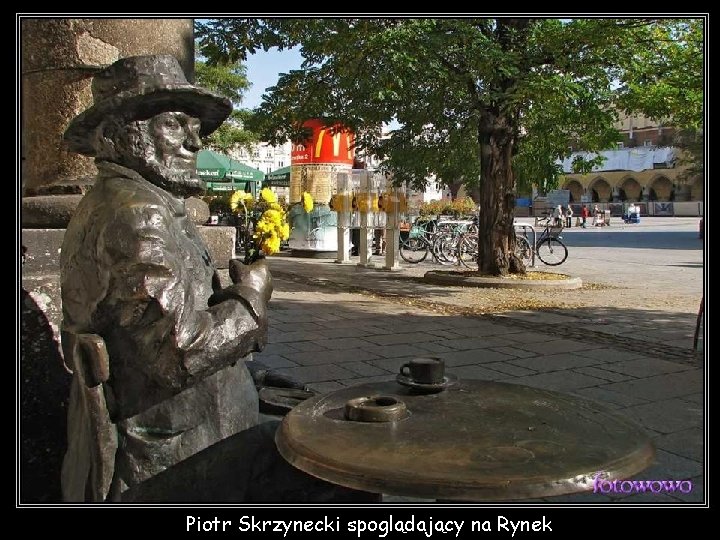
(153, 288)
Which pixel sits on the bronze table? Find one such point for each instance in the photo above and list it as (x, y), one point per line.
(474, 441)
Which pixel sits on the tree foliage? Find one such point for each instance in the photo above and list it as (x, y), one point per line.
(491, 102)
(229, 80)
(665, 81)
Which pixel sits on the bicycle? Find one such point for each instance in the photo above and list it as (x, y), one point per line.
(442, 243)
(549, 247)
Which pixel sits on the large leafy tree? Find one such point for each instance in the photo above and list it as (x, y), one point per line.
(228, 79)
(494, 102)
(665, 81)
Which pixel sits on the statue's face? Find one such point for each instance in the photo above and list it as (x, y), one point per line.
(163, 149)
(176, 137)
(171, 141)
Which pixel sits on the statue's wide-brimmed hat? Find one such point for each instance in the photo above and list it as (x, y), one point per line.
(139, 87)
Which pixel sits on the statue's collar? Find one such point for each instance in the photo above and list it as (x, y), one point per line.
(107, 169)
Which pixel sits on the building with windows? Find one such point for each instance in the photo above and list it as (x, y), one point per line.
(264, 156)
(643, 167)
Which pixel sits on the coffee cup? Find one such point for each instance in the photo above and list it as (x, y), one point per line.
(424, 370)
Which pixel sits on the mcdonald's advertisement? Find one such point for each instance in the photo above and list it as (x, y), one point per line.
(327, 144)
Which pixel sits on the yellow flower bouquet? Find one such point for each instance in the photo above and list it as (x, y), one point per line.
(265, 221)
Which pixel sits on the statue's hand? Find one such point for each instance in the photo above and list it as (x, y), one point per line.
(256, 276)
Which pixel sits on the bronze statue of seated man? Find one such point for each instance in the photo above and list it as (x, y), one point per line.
(157, 347)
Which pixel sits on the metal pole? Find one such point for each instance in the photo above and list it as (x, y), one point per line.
(392, 229)
(343, 219)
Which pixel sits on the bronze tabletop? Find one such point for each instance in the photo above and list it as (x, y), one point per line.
(475, 441)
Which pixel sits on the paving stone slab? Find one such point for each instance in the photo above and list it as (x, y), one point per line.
(666, 416)
(686, 443)
(474, 356)
(661, 387)
(407, 338)
(276, 336)
(465, 344)
(646, 367)
(514, 351)
(274, 361)
(609, 376)
(556, 346)
(399, 350)
(364, 369)
(558, 380)
(476, 372)
(554, 362)
(326, 356)
(509, 369)
(614, 400)
(318, 373)
(434, 347)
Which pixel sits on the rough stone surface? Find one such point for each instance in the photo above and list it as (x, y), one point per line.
(49, 211)
(197, 210)
(43, 247)
(461, 279)
(59, 57)
(220, 242)
(78, 187)
(43, 251)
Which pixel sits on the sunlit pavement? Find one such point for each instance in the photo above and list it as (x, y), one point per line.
(634, 359)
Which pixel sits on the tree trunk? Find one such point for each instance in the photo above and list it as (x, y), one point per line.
(496, 242)
(454, 188)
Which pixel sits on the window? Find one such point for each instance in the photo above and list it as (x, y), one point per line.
(281, 164)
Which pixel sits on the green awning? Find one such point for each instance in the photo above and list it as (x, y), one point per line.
(215, 167)
(228, 186)
(279, 177)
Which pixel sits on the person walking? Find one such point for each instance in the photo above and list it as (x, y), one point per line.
(584, 213)
(568, 216)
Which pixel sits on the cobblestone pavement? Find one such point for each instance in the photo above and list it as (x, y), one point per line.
(625, 339)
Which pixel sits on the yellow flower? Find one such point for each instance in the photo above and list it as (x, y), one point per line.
(268, 196)
(271, 245)
(284, 231)
(238, 198)
(307, 202)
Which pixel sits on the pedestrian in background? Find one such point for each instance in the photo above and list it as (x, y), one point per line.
(584, 213)
(568, 216)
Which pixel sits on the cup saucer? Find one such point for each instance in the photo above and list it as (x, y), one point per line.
(429, 388)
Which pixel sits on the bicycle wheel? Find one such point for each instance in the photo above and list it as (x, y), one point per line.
(444, 248)
(523, 251)
(552, 251)
(468, 251)
(413, 250)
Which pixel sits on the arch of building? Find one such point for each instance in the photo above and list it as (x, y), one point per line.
(630, 190)
(576, 190)
(601, 190)
(661, 189)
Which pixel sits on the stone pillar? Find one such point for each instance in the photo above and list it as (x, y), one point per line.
(59, 58)
(683, 192)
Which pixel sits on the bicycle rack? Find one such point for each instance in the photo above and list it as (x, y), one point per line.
(525, 228)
